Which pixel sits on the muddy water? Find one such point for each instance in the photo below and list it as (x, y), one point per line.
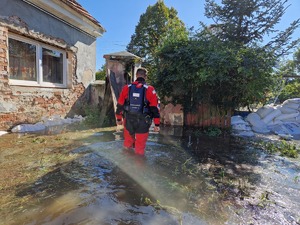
(186, 181)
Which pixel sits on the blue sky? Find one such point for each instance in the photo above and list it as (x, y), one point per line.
(120, 17)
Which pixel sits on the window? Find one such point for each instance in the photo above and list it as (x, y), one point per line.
(52, 66)
(22, 60)
(34, 64)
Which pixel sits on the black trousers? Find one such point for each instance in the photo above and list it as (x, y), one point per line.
(137, 123)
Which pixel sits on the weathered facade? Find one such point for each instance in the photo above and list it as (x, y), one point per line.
(47, 59)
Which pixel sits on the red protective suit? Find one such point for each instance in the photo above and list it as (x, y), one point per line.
(136, 126)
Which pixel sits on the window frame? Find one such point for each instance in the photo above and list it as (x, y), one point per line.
(39, 64)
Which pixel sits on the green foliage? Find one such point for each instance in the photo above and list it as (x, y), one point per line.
(265, 200)
(225, 64)
(291, 67)
(283, 147)
(213, 131)
(296, 60)
(247, 22)
(101, 74)
(291, 90)
(156, 25)
(92, 118)
(211, 71)
(39, 140)
(291, 87)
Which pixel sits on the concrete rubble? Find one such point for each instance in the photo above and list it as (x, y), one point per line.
(45, 124)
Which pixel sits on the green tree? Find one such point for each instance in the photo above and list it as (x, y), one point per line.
(156, 25)
(226, 64)
(290, 73)
(207, 70)
(248, 22)
(297, 61)
(291, 90)
(101, 74)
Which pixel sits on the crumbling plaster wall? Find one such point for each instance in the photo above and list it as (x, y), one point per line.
(24, 104)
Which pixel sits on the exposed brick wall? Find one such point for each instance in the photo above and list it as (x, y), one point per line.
(30, 104)
(4, 87)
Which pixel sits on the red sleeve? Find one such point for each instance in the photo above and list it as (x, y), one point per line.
(153, 104)
(121, 101)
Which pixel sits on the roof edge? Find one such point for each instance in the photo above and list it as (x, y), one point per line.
(65, 10)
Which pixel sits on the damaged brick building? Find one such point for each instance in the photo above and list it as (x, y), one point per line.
(47, 59)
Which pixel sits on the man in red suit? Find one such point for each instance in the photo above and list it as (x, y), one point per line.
(137, 107)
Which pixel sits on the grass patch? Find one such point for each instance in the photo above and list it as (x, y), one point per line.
(283, 147)
(93, 118)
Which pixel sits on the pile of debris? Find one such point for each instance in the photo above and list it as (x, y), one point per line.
(282, 120)
(47, 124)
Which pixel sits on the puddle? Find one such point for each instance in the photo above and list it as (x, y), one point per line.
(85, 177)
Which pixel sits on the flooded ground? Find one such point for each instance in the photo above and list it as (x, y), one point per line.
(84, 177)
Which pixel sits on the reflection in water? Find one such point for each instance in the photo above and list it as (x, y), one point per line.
(188, 180)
